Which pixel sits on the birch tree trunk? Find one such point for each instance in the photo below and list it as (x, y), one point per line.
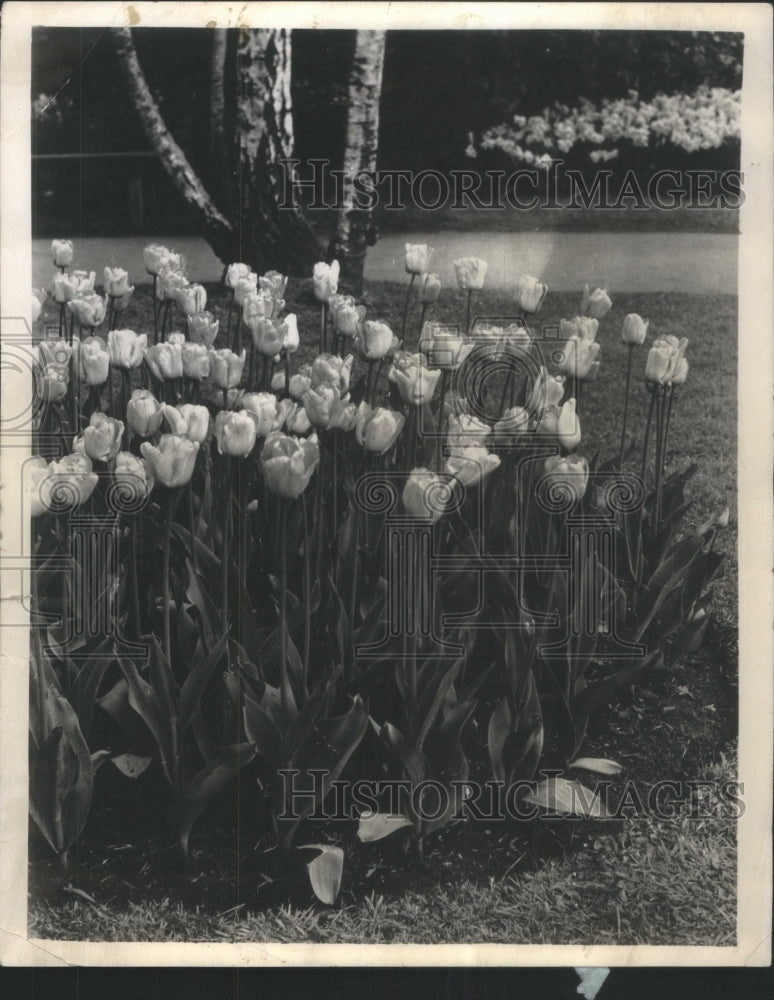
(269, 236)
(215, 227)
(220, 146)
(354, 227)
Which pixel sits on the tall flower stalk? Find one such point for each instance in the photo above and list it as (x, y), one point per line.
(626, 406)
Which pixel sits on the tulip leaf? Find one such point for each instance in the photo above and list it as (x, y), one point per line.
(261, 730)
(376, 826)
(195, 684)
(604, 691)
(325, 871)
(597, 765)
(570, 798)
(131, 765)
(144, 701)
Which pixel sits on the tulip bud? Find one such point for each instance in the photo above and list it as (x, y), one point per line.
(156, 258)
(295, 418)
(568, 426)
(116, 281)
(66, 287)
(203, 328)
(657, 365)
(595, 304)
(134, 476)
(291, 341)
(325, 279)
(723, 518)
(328, 369)
(170, 281)
(530, 294)
(102, 438)
(85, 281)
(62, 252)
(165, 360)
(126, 348)
(470, 272)
(579, 358)
(347, 317)
(268, 334)
(546, 391)
(681, 371)
(226, 368)
(235, 432)
(425, 494)
(93, 361)
(263, 408)
(245, 285)
(375, 340)
(471, 464)
(429, 289)
(172, 462)
(192, 299)
(196, 361)
(318, 403)
(417, 258)
(53, 383)
(634, 330)
(415, 381)
(144, 413)
(235, 272)
(377, 429)
(567, 476)
(288, 463)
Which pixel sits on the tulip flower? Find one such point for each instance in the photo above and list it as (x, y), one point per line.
(425, 494)
(268, 335)
(466, 430)
(567, 475)
(102, 438)
(325, 279)
(116, 281)
(54, 352)
(274, 283)
(264, 410)
(530, 294)
(681, 371)
(417, 258)
(176, 337)
(634, 329)
(170, 281)
(291, 341)
(377, 428)
(471, 464)
(53, 383)
(134, 476)
(325, 408)
(35, 488)
(191, 299)
(226, 367)
(664, 358)
(579, 359)
(444, 347)
(295, 419)
(299, 382)
(568, 428)
(470, 272)
(288, 463)
(165, 360)
(429, 289)
(62, 252)
(158, 258)
(546, 391)
(595, 304)
(86, 281)
(235, 272)
(203, 328)
(513, 423)
(246, 285)
(196, 361)
(144, 413)
(346, 315)
(172, 462)
(328, 369)
(374, 341)
(93, 361)
(188, 420)
(723, 518)
(415, 381)
(66, 287)
(582, 327)
(235, 432)
(126, 348)
(88, 309)
(71, 480)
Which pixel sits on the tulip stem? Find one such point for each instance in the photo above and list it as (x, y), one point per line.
(323, 324)
(244, 487)
(283, 609)
(406, 309)
(469, 311)
(228, 317)
(224, 564)
(421, 320)
(155, 310)
(660, 413)
(192, 526)
(441, 419)
(238, 336)
(644, 466)
(307, 590)
(626, 406)
(286, 359)
(133, 574)
(171, 497)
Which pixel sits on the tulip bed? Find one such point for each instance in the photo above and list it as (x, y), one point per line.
(387, 561)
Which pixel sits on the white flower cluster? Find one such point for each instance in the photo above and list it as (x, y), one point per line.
(703, 120)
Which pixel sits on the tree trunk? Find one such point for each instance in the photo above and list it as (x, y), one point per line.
(222, 171)
(269, 236)
(354, 228)
(214, 226)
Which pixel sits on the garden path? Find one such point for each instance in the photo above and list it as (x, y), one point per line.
(623, 262)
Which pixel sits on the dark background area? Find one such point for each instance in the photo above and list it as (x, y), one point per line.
(438, 86)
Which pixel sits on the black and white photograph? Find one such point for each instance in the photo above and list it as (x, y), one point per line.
(386, 484)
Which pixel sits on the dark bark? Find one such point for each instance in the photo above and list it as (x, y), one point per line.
(354, 228)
